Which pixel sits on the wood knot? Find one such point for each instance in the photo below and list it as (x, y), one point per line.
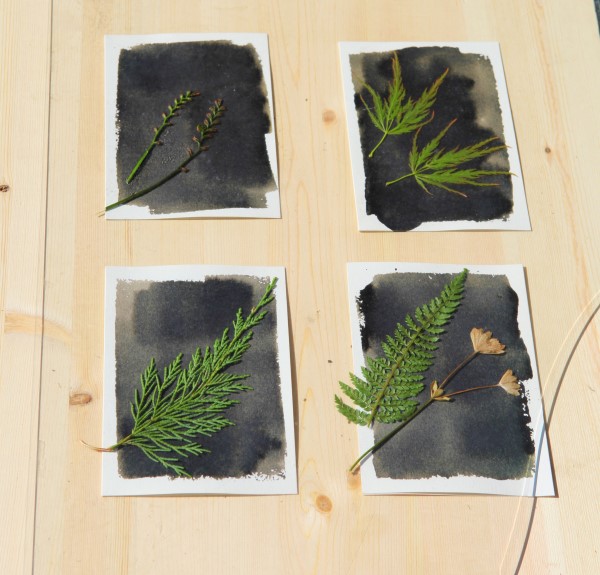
(4, 188)
(80, 399)
(329, 116)
(547, 150)
(323, 504)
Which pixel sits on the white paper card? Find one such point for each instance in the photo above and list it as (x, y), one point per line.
(160, 312)
(235, 173)
(471, 101)
(484, 441)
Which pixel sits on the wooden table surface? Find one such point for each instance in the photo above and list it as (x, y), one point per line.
(54, 247)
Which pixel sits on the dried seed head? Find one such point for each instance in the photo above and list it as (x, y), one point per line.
(437, 393)
(484, 343)
(509, 383)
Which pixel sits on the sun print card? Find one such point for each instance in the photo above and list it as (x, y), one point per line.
(431, 137)
(445, 369)
(197, 395)
(189, 127)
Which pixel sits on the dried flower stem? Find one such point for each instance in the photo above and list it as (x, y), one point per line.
(205, 130)
(470, 389)
(179, 103)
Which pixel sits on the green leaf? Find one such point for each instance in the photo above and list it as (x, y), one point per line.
(170, 414)
(394, 114)
(390, 383)
(435, 166)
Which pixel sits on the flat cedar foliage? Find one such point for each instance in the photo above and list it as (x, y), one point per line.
(172, 412)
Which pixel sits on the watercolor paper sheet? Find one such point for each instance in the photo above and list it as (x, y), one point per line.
(482, 442)
(237, 175)
(159, 312)
(474, 95)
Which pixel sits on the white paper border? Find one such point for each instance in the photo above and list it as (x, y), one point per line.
(517, 220)
(113, 44)
(541, 484)
(112, 482)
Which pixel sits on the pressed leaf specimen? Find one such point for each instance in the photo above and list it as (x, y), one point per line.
(173, 111)
(390, 384)
(170, 413)
(435, 166)
(206, 130)
(395, 114)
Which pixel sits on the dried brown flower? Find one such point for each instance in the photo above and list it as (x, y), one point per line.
(437, 392)
(484, 343)
(509, 383)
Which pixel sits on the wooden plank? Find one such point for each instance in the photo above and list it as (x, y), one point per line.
(25, 32)
(548, 50)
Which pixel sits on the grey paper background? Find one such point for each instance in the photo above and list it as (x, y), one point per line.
(470, 95)
(163, 318)
(484, 433)
(235, 172)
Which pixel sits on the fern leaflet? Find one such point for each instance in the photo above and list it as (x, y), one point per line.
(390, 383)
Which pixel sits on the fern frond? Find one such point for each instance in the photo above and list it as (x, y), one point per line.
(171, 412)
(393, 115)
(438, 167)
(390, 383)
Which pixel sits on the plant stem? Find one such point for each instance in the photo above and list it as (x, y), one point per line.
(385, 135)
(470, 389)
(179, 103)
(400, 179)
(110, 449)
(391, 434)
(462, 364)
(155, 185)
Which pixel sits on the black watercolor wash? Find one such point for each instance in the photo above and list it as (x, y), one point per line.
(235, 172)
(483, 433)
(163, 318)
(469, 94)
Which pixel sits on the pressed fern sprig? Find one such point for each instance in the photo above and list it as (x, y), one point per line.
(483, 344)
(390, 383)
(393, 115)
(166, 117)
(169, 414)
(206, 130)
(438, 167)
